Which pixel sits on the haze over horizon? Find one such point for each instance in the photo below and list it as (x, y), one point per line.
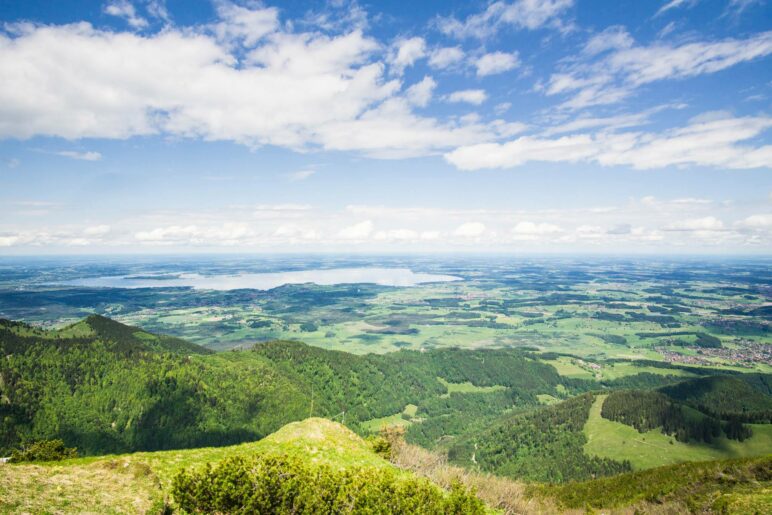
(531, 126)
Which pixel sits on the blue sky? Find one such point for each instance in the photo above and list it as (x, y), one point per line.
(527, 126)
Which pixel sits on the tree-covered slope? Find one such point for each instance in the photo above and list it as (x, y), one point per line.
(103, 387)
(727, 397)
(541, 445)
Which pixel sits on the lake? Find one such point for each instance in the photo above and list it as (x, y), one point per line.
(265, 281)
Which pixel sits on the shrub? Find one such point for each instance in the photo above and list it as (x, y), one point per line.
(283, 484)
(44, 450)
(380, 446)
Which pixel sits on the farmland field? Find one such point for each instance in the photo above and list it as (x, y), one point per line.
(597, 316)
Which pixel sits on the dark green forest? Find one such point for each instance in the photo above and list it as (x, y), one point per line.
(645, 410)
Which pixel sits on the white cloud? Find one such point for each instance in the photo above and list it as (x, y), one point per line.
(470, 96)
(357, 231)
(420, 94)
(83, 156)
(14, 162)
(532, 228)
(520, 151)
(396, 235)
(613, 67)
(243, 24)
(171, 233)
(673, 4)
(444, 57)
(7, 241)
(470, 230)
(125, 9)
(96, 230)
(244, 79)
(294, 232)
(612, 38)
(761, 221)
(157, 9)
(643, 224)
(609, 122)
(300, 175)
(496, 62)
(710, 143)
(708, 223)
(228, 233)
(406, 52)
(520, 14)
(392, 130)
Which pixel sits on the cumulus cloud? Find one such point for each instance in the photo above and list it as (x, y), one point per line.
(532, 230)
(96, 230)
(715, 142)
(643, 223)
(521, 14)
(171, 233)
(396, 235)
(229, 233)
(243, 24)
(708, 223)
(495, 62)
(245, 78)
(406, 52)
(124, 9)
(470, 96)
(420, 93)
(760, 221)
(445, 57)
(470, 230)
(357, 231)
(8, 241)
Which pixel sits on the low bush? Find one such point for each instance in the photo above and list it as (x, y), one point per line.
(43, 450)
(283, 484)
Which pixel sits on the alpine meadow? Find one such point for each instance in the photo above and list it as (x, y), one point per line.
(348, 257)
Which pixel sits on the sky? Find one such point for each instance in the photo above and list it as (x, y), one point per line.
(530, 126)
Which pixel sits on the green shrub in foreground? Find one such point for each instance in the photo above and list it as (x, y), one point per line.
(283, 484)
(44, 450)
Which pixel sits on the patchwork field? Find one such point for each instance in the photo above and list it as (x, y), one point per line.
(679, 311)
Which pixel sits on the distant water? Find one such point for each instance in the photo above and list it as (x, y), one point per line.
(266, 281)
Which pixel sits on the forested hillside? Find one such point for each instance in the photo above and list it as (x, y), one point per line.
(104, 387)
(745, 400)
(541, 445)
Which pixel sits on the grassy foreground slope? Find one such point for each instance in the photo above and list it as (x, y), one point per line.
(140, 482)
